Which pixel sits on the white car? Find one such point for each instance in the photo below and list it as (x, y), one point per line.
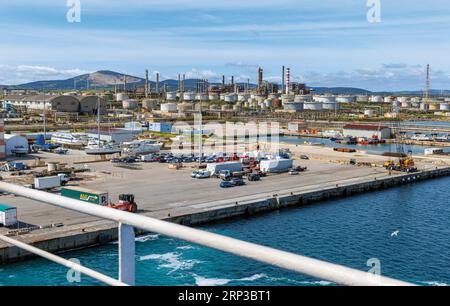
(203, 174)
(194, 173)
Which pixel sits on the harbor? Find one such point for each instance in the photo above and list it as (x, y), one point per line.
(177, 197)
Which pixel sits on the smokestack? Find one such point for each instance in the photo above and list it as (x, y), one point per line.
(232, 80)
(179, 82)
(223, 82)
(146, 83)
(260, 76)
(157, 83)
(282, 81)
(124, 82)
(288, 80)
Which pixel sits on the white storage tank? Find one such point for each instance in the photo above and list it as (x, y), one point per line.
(324, 99)
(332, 106)
(406, 104)
(201, 97)
(121, 96)
(182, 107)
(345, 99)
(189, 96)
(293, 106)
(389, 99)
(315, 106)
(242, 97)
(222, 97)
(424, 106)
(303, 98)
(171, 96)
(150, 104)
(362, 98)
(402, 99)
(168, 107)
(376, 99)
(231, 98)
(396, 104)
(444, 106)
(369, 113)
(129, 104)
(213, 96)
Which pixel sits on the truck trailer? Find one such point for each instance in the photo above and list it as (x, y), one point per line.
(85, 195)
(8, 215)
(276, 165)
(215, 168)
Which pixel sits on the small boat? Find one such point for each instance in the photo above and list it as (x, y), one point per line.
(142, 147)
(67, 138)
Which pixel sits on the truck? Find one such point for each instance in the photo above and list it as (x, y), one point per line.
(85, 195)
(47, 182)
(276, 165)
(8, 215)
(215, 168)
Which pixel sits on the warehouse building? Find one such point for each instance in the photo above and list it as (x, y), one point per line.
(162, 127)
(112, 135)
(367, 131)
(57, 103)
(14, 143)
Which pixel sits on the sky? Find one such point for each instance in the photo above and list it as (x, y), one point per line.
(324, 42)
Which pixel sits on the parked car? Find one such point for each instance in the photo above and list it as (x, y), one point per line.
(293, 172)
(226, 184)
(203, 174)
(253, 177)
(304, 157)
(194, 173)
(238, 182)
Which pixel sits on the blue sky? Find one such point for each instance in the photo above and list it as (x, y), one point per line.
(325, 43)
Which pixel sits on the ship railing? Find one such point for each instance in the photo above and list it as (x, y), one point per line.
(128, 222)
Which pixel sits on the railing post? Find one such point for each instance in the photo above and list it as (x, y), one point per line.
(127, 268)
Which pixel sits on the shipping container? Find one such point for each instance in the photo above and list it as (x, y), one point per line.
(8, 215)
(47, 182)
(276, 165)
(215, 168)
(85, 195)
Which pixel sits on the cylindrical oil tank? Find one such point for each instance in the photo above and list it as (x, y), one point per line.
(324, 99)
(444, 107)
(222, 97)
(345, 99)
(332, 106)
(121, 96)
(396, 104)
(242, 97)
(406, 104)
(201, 97)
(213, 96)
(231, 98)
(415, 104)
(182, 107)
(425, 106)
(376, 99)
(293, 106)
(150, 104)
(188, 96)
(416, 99)
(362, 98)
(168, 107)
(303, 98)
(434, 106)
(389, 99)
(315, 106)
(369, 113)
(129, 104)
(447, 100)
(171, 96)
(402, 99)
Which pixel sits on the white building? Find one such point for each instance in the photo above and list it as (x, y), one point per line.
(367, 130)
(15, 142)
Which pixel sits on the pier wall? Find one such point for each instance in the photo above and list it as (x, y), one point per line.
(106, 231)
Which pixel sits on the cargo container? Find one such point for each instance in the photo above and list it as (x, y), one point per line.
(276, 165)
(47, 182)
(8, 215)
(86, 195)
(215, 168)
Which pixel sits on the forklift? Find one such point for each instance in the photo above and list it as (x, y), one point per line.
(126, 203)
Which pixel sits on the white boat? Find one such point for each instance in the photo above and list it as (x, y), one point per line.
(67, 138)
(95, 149)
(142, 147)
(421, 137)
(97, 146)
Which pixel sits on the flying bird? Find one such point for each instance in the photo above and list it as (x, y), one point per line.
(395, 233)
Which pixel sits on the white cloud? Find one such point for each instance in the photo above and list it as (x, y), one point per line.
(12, 75)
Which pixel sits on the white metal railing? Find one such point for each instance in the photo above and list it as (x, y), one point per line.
(313, 267)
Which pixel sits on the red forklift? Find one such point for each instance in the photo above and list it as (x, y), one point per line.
(126, 203)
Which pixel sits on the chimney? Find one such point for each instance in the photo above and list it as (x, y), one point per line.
(288, 80)
(260, 76)
(179, 82)
(282, 81)
(223, 82)
(157, 83)
(146, 83)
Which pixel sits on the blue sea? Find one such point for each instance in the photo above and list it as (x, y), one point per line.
(346, 231)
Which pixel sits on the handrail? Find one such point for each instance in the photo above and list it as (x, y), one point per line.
(305, 265)
(67, 263)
